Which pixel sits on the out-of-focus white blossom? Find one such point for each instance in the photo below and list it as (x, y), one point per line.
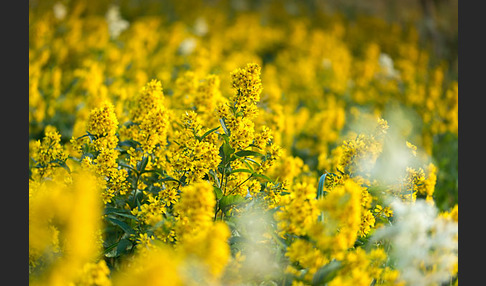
(386, 64)
(326, 63)
(253, 230)
(116, 24)
(60, 10)
(424, 246)
(187, 46)
(201, 27)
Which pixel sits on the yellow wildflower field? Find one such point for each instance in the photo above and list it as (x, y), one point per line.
(239, 143)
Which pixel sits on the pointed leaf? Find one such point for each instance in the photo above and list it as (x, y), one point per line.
(142, 164)
(114, 210)
(248, 165)
(129, 143)
(62, 164)
(218, 193)
(122, 246)
(253, 161)
(228, 201)
(262, 176)
(320, 187)
(326, 273)
(127, 216)
(126, 228)
(241, 171)
(127, 166)
(245, 153)
(228, 150)
(169, 179)
(225, 129)
(215, 177)
(207, 133)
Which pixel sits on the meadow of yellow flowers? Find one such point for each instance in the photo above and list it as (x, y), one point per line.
(237, 143)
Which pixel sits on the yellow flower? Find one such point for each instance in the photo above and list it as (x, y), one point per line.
(102, 122)
(210, 246)
(150, 97)
(412, 147)
(299, 211)
(342, 213)
(195, 209)
(247, 81)
(47, 154)
(158, 266)
(360, 154)
(68, 213)
(95, 274)
(151, 116)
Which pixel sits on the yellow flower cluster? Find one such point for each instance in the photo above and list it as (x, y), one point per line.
(95, 274)
(64, 219)
(103, 124)
(191, 158)
(418, 184)
(299, 211)
(101, 136)
(150, 117)
(342, 216)
(360, 154)
(151, 212)
(248, 87)
(47, 154)
(195, 210)
(319, 241)
(361, 268)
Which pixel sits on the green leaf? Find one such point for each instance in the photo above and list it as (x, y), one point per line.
(225, 137)
(253, 161)
(225, 129)
(247, 164)
(168, 179)
(320, 187)
(142, 164)
(253, 145)
(138, 205)
(125, 227)
(262, 176)
(130, 216)
(237, 240)
(241, 171)
(207, 133)
(326, 273)
(215, 177)
(62, 164)
(114, 210)
(218, 193)
(91, 137)
(122, 246)
(129, 143)
(228, 201)
(228, 150)
(159, 172)
(111, 251)
(127, 166)
(245, 153)
(321, 193)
